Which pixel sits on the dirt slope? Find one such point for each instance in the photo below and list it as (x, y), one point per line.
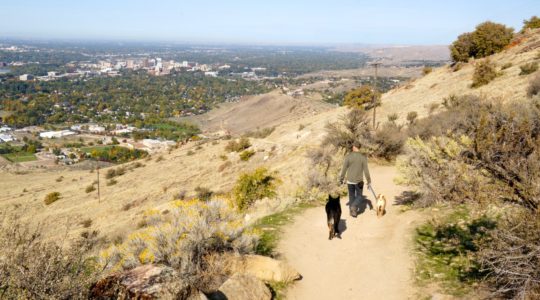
(371, 261)
(258, 112)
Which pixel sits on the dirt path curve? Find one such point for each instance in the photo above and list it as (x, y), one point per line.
(371, 261)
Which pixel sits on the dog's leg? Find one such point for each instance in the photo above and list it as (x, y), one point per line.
(331, 229)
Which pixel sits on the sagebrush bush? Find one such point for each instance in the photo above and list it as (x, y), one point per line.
(385, 142)
(534, 86)
(90, 188)
(253, 186)
(411, 117)
(529, 68)
(427, 70)
(203, 193)
(321, 165)
(238, 145)
(488, 38)
(111, 173)
(33, 268)
(260, 133)
(484, 72)
(51, 198)
(185, 239)
(246, 155)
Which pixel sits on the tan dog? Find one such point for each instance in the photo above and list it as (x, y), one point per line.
(381, 205)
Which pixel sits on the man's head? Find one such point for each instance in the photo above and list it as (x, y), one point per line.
(356, 146)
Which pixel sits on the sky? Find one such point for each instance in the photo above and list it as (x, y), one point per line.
(299, 22)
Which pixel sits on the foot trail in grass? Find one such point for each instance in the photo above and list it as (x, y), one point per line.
(373, 260)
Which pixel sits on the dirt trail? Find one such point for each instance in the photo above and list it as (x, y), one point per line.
(371, 261)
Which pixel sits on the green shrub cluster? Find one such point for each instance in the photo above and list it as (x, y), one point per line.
(532, 23)
(254, 186)
(488, 38)
(238, 145)
(246, 155)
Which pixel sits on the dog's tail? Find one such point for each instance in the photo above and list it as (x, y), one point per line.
(330, 219)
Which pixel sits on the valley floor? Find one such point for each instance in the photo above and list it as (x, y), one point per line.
(373, 260)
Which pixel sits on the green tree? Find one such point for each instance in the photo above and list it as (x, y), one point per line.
(362, 97)
(488, 38)
(533, 22)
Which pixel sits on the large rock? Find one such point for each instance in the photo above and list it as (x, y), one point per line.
(243, 287)
(264, 268)
(144, 282)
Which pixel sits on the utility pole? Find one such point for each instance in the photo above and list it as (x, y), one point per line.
(98, 192)
(376, 65)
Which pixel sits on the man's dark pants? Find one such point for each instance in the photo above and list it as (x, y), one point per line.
(355, 192)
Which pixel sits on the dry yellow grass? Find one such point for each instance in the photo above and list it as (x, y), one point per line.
(155, 184)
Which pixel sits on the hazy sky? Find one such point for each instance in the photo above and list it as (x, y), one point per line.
(252, 21)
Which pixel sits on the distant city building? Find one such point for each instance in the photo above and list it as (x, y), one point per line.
(26, 77)
(5, 129)
(56, 134)
(211, 74)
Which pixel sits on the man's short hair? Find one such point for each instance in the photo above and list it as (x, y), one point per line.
(357, 144)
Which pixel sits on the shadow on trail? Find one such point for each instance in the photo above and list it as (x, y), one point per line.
(359, 206)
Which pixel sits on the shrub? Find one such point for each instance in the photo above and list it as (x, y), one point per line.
(185, 239)
(392, 118)
(59, 179)
(389, 141)
(512, 258)
(506, 66)
(362, 97)
(427, 70)
(190, 152)
(238, 145)
(112, 182)
(33, 268)
(534, 86)
(433, 107)
(488, 38)
(484, 72)
(260, 134)
(532, 23)
(86, 223)
(246, 155)
(384, 142)
(90, 188)
(529, 68)
(253, 186)
(203, 193)
(411, 117)
(51, 198)
(111, 173)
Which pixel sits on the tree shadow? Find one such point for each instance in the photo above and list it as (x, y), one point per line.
(406, 198)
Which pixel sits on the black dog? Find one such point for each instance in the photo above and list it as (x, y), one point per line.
(333, 215)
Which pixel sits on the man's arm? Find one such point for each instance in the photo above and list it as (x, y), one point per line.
(344, 169)
(366, 172)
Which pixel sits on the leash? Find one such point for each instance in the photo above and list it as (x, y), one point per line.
(372, 191)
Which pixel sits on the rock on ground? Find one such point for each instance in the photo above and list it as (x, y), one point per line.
(243, 287)
(264, 268)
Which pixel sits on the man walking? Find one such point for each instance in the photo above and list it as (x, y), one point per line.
(355, 166)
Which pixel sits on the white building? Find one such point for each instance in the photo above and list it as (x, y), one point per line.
(211, 74)
(96, 129)
(6, 138)
(56, 134)
(5, 129)
(26, 77)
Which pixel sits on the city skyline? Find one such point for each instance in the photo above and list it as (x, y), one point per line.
(244, 22)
